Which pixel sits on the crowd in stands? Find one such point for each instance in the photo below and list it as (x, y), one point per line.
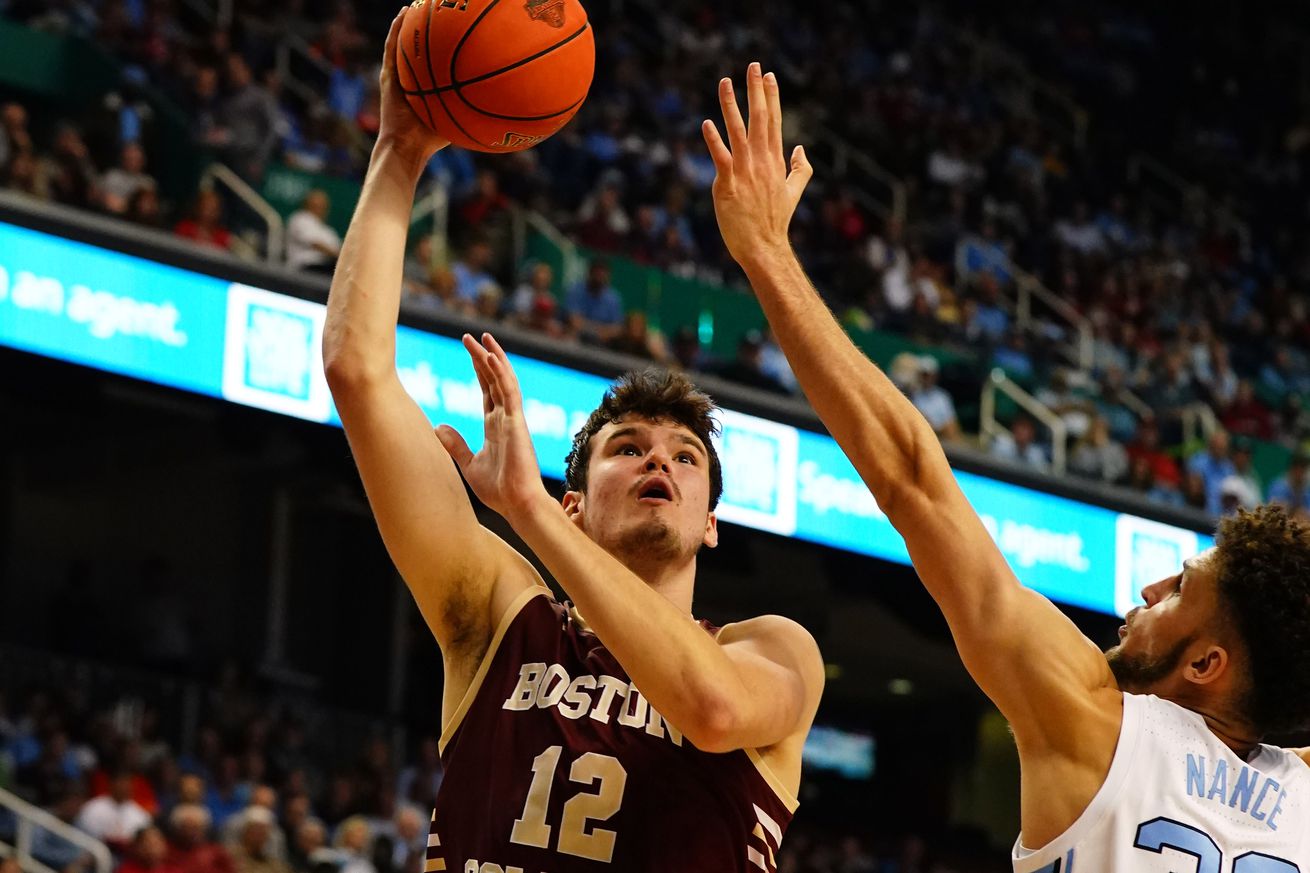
(1192, 302)
(254, 793)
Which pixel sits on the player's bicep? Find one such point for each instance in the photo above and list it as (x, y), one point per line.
(448, 560)
(1025, 654)
(780, 676)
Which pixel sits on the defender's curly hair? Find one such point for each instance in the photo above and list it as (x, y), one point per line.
(1264, 585)
(657, 395)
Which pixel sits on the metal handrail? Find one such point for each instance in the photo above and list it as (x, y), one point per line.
(573, 263)
(989, 427)
(1198, 416)
(1142, 165)
(29, 817)
(436, 205)
(276, 236)
(1028, 286)
(846, 155)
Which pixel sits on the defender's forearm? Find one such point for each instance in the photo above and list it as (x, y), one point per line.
(886, 438)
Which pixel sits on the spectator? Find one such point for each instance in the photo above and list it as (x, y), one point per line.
(745, 368)
(354, 836)
(249, 116)
(1097, 456)
(24, 175)
(1020, 445)
(70, 173)
(489, 302)
(933, 402)
(1293, 488)
(114, 818)
(143, 209)
(205, 225)
(638, 340)
(1235, 493)
(486, 210)
(602, 222)
(312, 243)
(149, 853)
(1246, 415)
(1141, 478)
(14, 136)
(190, 850)
(252, 854)
(471, 271)
(227, 796)
(537, 284)
(594, 309)
(1244, 468)
(1213, 465)
(120, 184)
(308, 846)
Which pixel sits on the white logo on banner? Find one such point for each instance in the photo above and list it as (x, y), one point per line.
(759, 472)
(1146, 552)
(273, 353)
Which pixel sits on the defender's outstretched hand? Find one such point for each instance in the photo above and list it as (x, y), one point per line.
(399, 124)
(755, 188)
(504, 474)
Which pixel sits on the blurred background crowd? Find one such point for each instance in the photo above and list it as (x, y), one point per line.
(1171, 230)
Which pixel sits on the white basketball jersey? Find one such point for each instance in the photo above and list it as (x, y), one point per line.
(1177, 800)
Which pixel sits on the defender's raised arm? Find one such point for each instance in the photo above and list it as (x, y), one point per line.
(1023, 652)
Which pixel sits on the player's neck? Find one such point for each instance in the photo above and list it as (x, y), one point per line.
(1232, 729)
(674, 580)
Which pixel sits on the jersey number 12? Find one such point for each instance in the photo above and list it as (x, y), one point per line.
(530, 829)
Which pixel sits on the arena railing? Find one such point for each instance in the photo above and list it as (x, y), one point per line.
(165, 248)
(1028, 288)
(275, 235)
(845, 159)
(29, 819)
(990, 427)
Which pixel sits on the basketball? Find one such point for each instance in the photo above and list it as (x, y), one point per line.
(495, 75)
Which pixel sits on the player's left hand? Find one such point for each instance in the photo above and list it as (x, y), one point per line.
(755, 189)
(504, 473)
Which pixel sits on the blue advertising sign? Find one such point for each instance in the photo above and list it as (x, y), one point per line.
(259, 348)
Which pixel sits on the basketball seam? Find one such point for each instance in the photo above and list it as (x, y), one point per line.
(432, 76)
(431, 121)
(458, 86)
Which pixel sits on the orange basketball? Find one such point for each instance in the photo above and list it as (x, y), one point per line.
(495, 75)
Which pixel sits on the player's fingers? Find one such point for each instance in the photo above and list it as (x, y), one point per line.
(757, 107)
(774, 103)
(799, 176)
(505, 375)
(454, 445)
(478, 355)
(718, 150)
(732, 120)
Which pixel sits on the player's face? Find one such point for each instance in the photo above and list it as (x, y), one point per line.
(648, 491)
(1155, 639)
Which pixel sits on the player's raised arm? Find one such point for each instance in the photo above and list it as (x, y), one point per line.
(458, 571)
(1025, 654)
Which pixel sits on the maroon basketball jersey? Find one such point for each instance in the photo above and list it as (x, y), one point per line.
(555, 763)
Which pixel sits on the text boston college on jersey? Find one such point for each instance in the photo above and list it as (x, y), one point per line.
(543, 686)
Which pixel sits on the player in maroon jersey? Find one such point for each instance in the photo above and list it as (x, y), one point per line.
(615, 734)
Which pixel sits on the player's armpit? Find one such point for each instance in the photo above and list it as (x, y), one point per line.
(1304, 754)
(458, 572)
(1026, 655)
(778, 680)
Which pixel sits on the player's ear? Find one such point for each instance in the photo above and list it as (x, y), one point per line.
(1206, 665)
(573, 506)
(711, 538)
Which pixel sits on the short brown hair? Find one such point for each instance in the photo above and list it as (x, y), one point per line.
(1264, 588)
(657, 395)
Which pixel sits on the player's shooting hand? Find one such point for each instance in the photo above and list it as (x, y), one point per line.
(756, 188)
(504, 473)
(399, 124)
